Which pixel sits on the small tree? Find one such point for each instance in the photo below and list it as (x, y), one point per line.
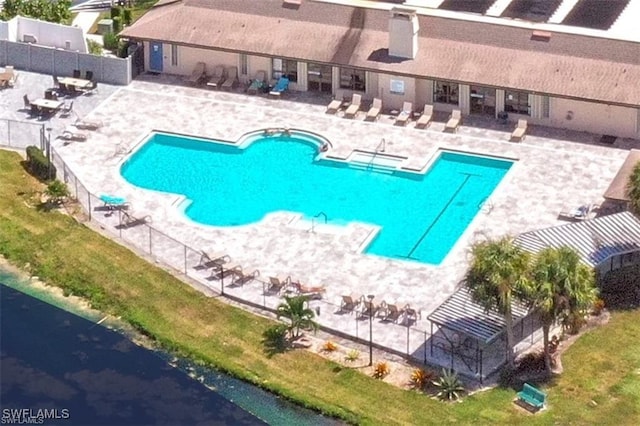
(498, 272)
(299, 315)
(633, 189)
(50, 11)
(561, 288)
(57, 191)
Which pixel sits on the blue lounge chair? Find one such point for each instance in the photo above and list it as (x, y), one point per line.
(111, 202)
(280, 87)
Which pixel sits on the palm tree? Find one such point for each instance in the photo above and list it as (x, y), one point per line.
(498, 272)
(560, 288)
(300, 316)
(633, 189)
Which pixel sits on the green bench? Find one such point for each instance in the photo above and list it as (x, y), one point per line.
(532, 396)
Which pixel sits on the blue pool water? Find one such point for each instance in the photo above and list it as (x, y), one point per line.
(421, 216)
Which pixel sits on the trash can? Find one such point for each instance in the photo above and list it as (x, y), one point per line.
(503, 117)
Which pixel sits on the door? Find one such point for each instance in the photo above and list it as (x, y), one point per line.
(319, 78)
(155, 58)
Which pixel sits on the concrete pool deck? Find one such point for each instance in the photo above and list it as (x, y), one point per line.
(555, 170)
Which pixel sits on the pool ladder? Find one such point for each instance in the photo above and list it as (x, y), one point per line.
(313, 221)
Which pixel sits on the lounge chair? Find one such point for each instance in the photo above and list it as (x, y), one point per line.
(354, 107)
(88, 75)
(129, 219)
(403, 118)
(411, 315)
(334, 106)
(278, 284)
(367, 308)
(242, 278)
(66, 109)
(583, 212)
(312, 292)
(212, 260)
(425, 118)
(454, 121)
(350, 302)
(391, 312)
(225, 271)
(112, 202)
(87, 124)
(520, 131)
(217, 78)
(198, 73)
(281, 86)
(258, 82)
(374, 111)
(70, 135)
(232, 78)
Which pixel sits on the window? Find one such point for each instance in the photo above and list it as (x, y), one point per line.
(516, 102)
(285, 67)
(174, 55)
(244, 65)
(396, 87)
(352, 79)
(445, 92)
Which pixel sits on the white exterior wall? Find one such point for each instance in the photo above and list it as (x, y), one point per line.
(189, 56)
(392, 100)
(593, 117)
(372, 86)
(50, 34)
(424, 93)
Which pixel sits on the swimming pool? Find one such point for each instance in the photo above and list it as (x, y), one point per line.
(420, 215)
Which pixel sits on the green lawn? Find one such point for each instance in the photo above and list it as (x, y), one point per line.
(603, 366)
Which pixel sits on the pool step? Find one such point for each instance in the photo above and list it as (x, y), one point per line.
(374, 161)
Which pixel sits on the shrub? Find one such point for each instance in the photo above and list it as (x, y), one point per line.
(57, 191)
(95, 48)
(126, 16)
(381, 370)
(115, 12)
(329, 346)
(353, 355)
(420, 378)
(450, 386)
(110, 41)
(533, 361)
(598, 307)
(275, 339)
(39, 165)
(574, 322)
(123, 49)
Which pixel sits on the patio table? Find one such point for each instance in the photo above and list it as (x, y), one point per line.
(80, 83)
(47, 104)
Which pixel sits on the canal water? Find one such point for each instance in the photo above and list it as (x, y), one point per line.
(80, 373)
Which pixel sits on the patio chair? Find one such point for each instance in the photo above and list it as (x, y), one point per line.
(212, 260)
(88, 124)
(27, 102)
(56, 82)
(354, 107)
(129, 219)
(73, 136)
(411, 315)
(425, 118)
(281, 86)
(367, 308)
(582, 212)
(403, 118)
(77, 74)
(112, 202)
(258, 83)
(88, 75)
(217, 78)
(278, 284)
(520, 131)
(241, 278)
(92, 88)
(391, 312)
(232, 80)
(350, 303)
(334, 106)
(66, 109)
(225, 271)
(455, 119)
(198, 73)
(374, 111)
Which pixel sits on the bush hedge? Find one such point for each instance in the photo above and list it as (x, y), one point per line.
(39, 165)
(110, 41)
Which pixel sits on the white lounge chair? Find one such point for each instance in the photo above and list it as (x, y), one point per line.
(212, 259)
(241, 278)
(374, 111)
(454, 121)
(232, 78)
(425, 118)
(87, 124)
(71, 135)
(354, 107)
(312, 292)
(334, 106)
(217, 79)
(258, 82)
(520, 131)
(199, 72)
(403, 118)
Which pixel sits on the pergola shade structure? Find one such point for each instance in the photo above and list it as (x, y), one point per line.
(472, 336)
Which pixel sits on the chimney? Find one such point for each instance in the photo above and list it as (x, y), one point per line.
(403, 33)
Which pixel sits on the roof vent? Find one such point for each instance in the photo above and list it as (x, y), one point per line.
(403, 33)
(541, 36)
(291, 4)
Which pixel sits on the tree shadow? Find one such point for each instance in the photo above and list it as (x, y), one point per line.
(274, 340)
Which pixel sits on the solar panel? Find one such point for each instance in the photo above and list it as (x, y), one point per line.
(472, 6)
(531, 10)
(597, 14)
